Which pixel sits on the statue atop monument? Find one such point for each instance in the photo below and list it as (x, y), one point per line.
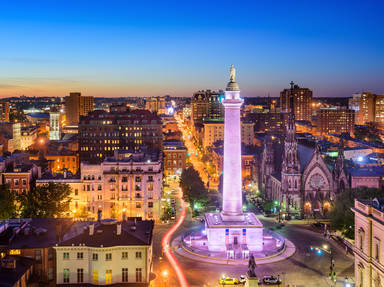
(232, 77)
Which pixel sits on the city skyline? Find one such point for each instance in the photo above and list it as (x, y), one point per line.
(106, 50)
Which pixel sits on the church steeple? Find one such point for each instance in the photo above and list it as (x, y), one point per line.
(291, 160)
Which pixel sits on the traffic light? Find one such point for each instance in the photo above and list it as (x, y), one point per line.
(311, 247)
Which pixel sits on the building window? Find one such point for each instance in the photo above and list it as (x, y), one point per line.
(139, 276)
(38, 255)
(66, 256)
(16, 182)
(24, 182)
(124, 274)
(95, 276)
(138, 255)
(138, 179)
(66, 276)
(124, 255)
(150, 204)
(95, 256)
(76, 191)
(150, 178)
(50, 254)
(150, 186)
(80, 255)
(80, 275)
(138, 205)
(108, 256)
(108, 276)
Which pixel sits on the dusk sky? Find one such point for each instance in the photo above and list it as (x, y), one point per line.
(153, 48)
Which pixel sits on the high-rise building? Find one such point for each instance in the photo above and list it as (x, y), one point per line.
(302, 101)
(370, 108)
(156, 105)
(76, 106)
(335, 121)
(207, 105)
(4, 112)
(54, 126)
(100, 133)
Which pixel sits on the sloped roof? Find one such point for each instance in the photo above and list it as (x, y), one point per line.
(105, 235)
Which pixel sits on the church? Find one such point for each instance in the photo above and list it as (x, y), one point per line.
(297, 176)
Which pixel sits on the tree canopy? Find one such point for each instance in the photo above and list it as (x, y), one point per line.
(342, 218)
(48, 200)
(193, 187)
(8, 207)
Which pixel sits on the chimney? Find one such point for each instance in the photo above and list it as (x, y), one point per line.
(65, 174)
(91, 229)
(118, 231)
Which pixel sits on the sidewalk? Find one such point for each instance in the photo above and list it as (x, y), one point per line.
(177, 247)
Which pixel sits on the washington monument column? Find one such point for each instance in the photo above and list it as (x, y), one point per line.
(232, 192)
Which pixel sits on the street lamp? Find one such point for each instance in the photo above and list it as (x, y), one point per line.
(165, 277)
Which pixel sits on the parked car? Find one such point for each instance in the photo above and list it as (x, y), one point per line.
(229, 281)
(271, 280)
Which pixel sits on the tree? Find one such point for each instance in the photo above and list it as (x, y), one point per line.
(342, 218)
(48, 200)
(193, 187)
(8, 206)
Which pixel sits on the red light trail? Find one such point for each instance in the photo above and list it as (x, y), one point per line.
(165, 243)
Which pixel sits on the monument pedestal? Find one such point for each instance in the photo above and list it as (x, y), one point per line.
(222, 234)
(251, 282)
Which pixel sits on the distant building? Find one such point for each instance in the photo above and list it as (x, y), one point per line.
(335, 121)
(371, 108)
(207, 105)
(60, 161)
(76, 106)
(101, 133)
(21, 178)
(54, 126)
(106, 253)
(11, 131)
(156, 105)
(16, 271)
(372, 177)
(302, 101)
(369, 238)
(28, 136)
(175, 154)
(214, 131)
(274, 122)
(4, 112)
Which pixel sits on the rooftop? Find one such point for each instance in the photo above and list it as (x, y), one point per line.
(105, 234)
(10, 276)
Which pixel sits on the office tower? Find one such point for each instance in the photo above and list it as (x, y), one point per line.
(76, 106)
(4, 112)
(302, 101)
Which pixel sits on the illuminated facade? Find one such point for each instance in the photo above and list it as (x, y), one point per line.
(101, 133)
(76, 106)
(175, 154)
(297, 176)
(214, 131)
(335, 121)
(302, 102)
(207, 105)
(156, 105)
(369, 238)
(4, 112)
(54, 126)
(232, 227)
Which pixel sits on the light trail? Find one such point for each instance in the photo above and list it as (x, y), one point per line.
(165, 243)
